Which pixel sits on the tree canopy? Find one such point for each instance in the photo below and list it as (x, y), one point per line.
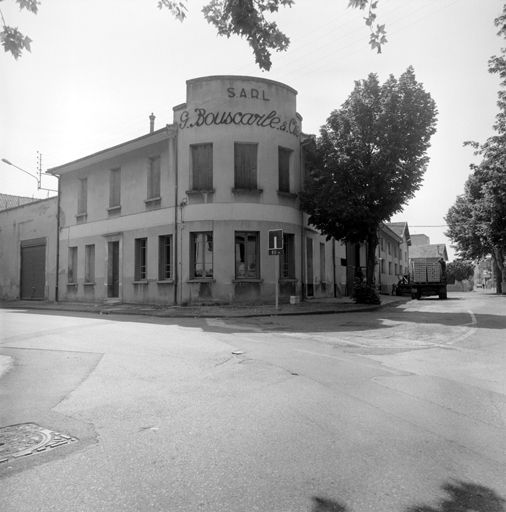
(369, 159)
(245, 18)
(460, 270)
(477, 220)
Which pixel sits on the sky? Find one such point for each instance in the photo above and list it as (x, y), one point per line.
(99, 68)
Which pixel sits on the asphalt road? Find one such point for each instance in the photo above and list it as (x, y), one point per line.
(403, 409)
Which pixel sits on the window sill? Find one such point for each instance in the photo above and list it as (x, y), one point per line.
(165, 281)
(288, 280)
(152, 200)
(71, 284)
(81, 215)
(114, 208)
(287, 194)
(203, 191)
(252, 191)
(142, 281)
(89, 284)
(247, 280)
(202, 280)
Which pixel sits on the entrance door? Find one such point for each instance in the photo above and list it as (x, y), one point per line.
(113, 270)
(33, 269)
(309, 273)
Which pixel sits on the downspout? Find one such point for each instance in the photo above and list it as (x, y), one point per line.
(334, 265)
(57, 242)
(176, 246)
(302, 232)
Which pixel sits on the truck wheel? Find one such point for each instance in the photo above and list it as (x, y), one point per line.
(443, 295)
(418, 294)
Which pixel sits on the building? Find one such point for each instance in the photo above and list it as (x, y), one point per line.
(430, 253)
(183, 214)
(28, 250)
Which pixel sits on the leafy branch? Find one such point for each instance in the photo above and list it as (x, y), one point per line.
(245, 18)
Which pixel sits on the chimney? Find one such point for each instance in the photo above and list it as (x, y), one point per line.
(152, 123)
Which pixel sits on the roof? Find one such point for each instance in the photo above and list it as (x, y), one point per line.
(7, 201)
(400, 229)
(385, 228)
(428, 251)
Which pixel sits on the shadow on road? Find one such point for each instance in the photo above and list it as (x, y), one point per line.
(465, 497)
(462, 497)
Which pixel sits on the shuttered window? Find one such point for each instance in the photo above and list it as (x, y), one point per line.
(201, 255)
(154, 178)
(284, 157)
(245, 166)
(247, 255)
(287, 259)
(141, 259)
(72, 266)
(202, 166)
(82, 198)
(165, 257)
(114, 187)
(89, 264)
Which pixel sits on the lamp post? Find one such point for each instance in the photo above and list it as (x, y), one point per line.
(29, 174)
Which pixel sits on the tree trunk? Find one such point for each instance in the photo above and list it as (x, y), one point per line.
(500, 269)
(372, 244)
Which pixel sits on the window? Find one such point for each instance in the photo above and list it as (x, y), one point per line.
(82, 198)
(114, 188)
(247, 255)
(89, 264)
(400, 270)
(389, 268)
(406, 256)
(396, 269)
(72, 266)
(287, 259)
(389, 248)
(141, 259)
(165, 257)
(202, 166)
(154, 178)
(395, 251)
(382, 242)
(382, 266)
(323, 271)
(245, 166)
(201, 256)
(284, 158)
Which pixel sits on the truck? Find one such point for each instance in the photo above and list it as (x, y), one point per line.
(427, 278)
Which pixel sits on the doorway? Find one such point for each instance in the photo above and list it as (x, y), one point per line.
(113, 270)
(309, 273)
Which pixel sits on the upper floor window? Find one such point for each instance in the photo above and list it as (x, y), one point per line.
(141, 259)
(154, 178)
(389, 248)
(247, 255)
(382, 244)
(202, 166)
(284, 159)
(201, 264)
(114, 188)
(82, 198)
(245, 166)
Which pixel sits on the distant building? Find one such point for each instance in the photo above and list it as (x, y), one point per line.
(430, 253)
(420, 240)
(8, 201)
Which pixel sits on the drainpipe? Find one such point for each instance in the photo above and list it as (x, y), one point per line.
(334, 265)
(58, 201)
(176, 231)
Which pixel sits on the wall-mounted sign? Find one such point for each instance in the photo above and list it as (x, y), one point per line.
(275, 242)
(201, 117)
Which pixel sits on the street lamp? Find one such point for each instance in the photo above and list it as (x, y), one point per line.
(26, 172)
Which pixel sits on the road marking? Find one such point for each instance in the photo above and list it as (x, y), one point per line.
(470, 332)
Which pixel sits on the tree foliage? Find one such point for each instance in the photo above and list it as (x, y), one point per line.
(245, 18)
(477, 220)
(369, 160)
(460, 270)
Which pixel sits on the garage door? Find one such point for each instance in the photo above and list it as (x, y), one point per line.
(33, 269)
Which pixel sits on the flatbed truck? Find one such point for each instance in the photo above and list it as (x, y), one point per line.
(426, 279)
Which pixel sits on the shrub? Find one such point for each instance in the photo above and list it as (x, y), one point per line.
(363, 294)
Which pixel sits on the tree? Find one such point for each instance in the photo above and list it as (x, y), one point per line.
(369, 160)
(460, 270)
(245, 18)
(477, 220)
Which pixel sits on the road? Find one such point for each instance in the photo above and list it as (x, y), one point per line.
(403, 409)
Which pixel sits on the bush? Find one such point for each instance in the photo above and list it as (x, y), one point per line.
(363, 294)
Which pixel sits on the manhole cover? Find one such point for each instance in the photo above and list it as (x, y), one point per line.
(17, 441)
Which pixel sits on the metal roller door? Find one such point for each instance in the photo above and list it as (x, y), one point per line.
(33, 269)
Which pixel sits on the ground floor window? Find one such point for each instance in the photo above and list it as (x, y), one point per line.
(201, 266)
(72, 266)
(141, 259)
(247, 252)
(287, 259)
(164, 257)
(89, 264)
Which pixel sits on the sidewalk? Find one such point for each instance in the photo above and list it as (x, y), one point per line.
(308, 307)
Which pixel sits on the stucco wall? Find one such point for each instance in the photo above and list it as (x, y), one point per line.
(31, 221)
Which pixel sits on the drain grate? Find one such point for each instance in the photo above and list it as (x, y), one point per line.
(24, 439)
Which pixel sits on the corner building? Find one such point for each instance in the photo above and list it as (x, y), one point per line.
(182, 214)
